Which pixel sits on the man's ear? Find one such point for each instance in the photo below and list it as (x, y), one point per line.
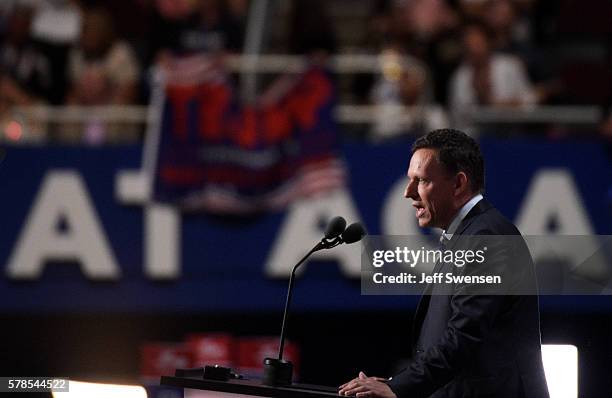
(462, 183)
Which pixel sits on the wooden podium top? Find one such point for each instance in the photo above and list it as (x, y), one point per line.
(252, 387)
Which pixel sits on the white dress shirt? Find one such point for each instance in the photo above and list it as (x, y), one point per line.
(448, 233)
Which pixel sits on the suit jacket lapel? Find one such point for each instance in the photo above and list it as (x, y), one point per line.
(478, 209)
(423, 304)
(419, 315)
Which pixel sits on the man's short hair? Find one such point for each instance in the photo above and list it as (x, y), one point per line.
(456, 152)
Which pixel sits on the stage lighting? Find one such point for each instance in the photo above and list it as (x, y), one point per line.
(79, 389)
(561, 369)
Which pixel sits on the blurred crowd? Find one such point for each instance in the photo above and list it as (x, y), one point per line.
(454, 54)
(500, 53)
(92, 52)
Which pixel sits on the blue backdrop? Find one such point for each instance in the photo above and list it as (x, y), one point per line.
(222, 260)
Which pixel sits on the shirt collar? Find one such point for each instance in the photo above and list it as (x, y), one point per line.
(450, 231)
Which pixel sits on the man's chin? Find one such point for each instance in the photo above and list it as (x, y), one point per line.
(423, 222)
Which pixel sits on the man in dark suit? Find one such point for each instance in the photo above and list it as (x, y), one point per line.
(467, 342)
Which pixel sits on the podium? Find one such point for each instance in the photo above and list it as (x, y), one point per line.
(250, 388)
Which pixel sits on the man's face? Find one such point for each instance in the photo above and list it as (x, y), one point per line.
(476, 45)
(431, 189)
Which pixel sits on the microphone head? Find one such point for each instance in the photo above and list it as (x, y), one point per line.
(353, 233)
(335, 227)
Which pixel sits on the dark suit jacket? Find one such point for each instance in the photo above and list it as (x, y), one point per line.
(469, 344)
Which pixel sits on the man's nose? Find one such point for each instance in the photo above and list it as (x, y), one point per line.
(410, 192)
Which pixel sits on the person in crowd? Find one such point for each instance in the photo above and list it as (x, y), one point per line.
(507, 33)
(102, 70)
(427, 30)
(510, 34)
(486, 78)
(25, 72)
(403, 94)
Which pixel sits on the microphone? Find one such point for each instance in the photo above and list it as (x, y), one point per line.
(335, 227)
(277, 371)
(353, 233)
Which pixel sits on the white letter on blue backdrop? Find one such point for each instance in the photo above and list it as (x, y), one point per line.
(553, 194)
(63, 197)
(553, 198)
(301, 230)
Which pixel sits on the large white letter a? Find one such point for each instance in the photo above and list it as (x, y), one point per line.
(62, 198)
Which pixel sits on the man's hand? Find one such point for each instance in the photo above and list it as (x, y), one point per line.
(367, 387)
